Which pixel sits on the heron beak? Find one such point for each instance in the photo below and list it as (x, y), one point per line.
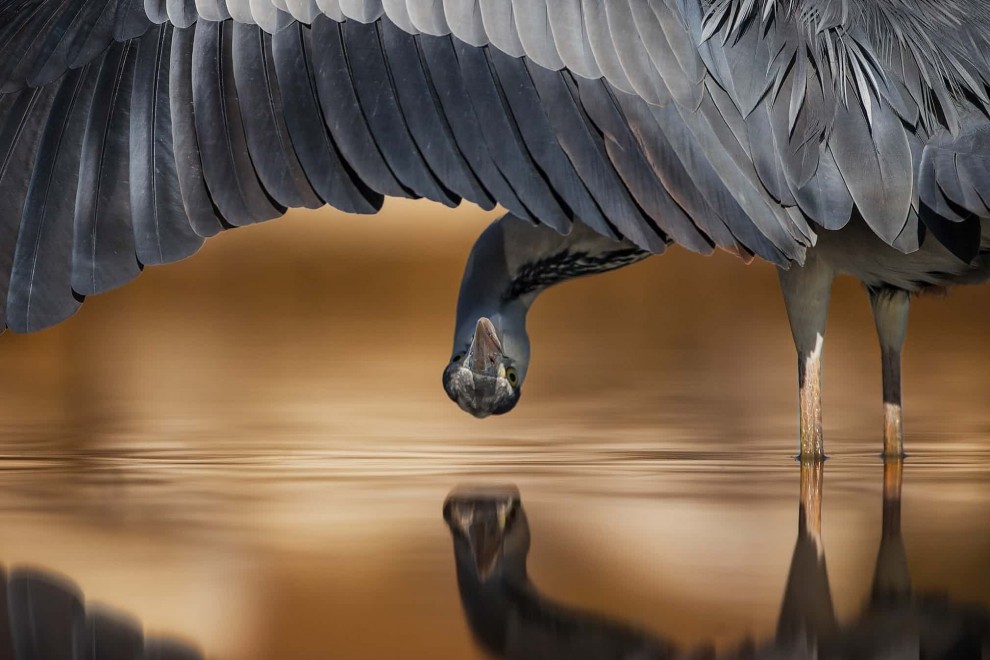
(485, 538)
(486, 348)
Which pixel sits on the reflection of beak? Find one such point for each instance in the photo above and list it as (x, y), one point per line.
(486, 349)
(485, 538)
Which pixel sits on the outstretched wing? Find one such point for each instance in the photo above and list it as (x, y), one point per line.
(131, 131)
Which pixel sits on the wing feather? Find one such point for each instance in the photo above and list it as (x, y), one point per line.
(631, 163)
(535, 33)
(466, 126)
(586, 149)
(465, 21)
(428, 17)
(24, 117)
(876, 165)
(204, 216)
(229, 173)
(570, 33)
(505, 144)
(162, 230)
(372, 80)
(418, 103)
(40, 290)
(332, 180)
(541, 142)
(267, 137)
(103, 254)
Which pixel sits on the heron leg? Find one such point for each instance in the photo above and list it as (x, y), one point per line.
(806, 295)
(890, 312)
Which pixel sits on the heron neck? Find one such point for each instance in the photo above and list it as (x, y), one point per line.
(513, 261)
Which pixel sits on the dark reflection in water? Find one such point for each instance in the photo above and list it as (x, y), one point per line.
(510, 617)
(43, 617)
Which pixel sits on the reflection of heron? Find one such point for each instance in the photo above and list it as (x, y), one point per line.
(506, 613)
(825, 136)
(42, 617)
(512, 619)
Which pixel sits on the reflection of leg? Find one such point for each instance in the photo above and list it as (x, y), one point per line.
(806, 294)
(890, 312)
(891, 578)
(807, 613)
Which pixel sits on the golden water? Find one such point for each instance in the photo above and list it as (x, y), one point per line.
(250, 450)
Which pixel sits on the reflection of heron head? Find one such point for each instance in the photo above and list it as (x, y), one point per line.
(485, 373)
(489, 529)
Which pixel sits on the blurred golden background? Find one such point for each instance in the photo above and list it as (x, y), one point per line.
(250, 448)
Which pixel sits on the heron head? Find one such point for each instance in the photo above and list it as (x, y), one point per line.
(490, 531)
(485, 373)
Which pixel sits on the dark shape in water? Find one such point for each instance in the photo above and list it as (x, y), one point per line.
(510, 618)
(43, 617)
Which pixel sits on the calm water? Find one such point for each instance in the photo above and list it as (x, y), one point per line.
(250, 451)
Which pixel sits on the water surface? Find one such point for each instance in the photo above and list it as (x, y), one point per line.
(250, 450)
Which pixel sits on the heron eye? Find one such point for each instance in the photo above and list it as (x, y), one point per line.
(458, 358)
(513, 377)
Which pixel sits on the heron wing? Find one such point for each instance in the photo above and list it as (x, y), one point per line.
(648, 119)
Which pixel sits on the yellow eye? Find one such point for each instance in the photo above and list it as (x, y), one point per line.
(513, 377)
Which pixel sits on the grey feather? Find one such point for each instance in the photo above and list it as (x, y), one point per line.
(265, 14)
(685, 86)
(342, 111)
(632, 165)
(156, 11)
(441, 61)
(586, 150)
(428, 17)
(500, 25)
(103, 255)
(398, 13)
(40, 293)
(131, 20)
(825, 197)
(362, 11)
(541, 142)
(465, 21)
(182, 13)
(229, 173)
(212, 10)
(417, 100)
(204, 216)
(267, 137)
(162, 232)
(317, 153)
(876, 166)
(24, 117)
(600, 42)
(504, 142)
(570, 33)
(240, 12)
(672, 174)
(331, 9)
(535, 33)
(633, 55)
(373, 82)
(303, 10)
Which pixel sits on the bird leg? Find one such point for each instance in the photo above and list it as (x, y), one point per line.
(890, 312)
(806, 295)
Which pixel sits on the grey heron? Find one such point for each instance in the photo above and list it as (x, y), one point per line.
(824, 136)
(512, 618)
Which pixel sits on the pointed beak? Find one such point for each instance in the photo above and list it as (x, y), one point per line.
(486, 348)
(485, 538)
